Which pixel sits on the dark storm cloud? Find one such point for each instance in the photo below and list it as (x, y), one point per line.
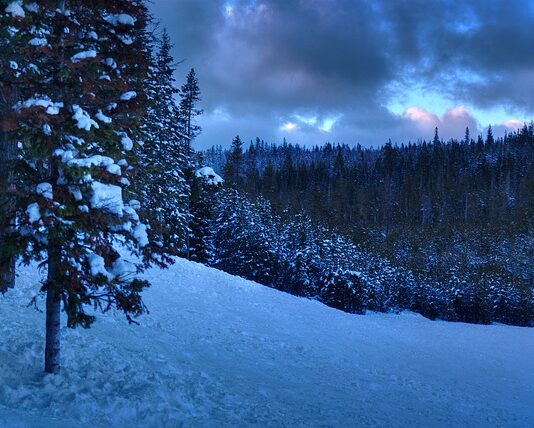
(480, 51)
(266, 63)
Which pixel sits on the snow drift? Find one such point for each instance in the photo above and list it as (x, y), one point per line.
(217, 350)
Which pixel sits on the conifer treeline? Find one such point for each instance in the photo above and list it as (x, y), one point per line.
(436, 183)
(290, 253)
(456, 215)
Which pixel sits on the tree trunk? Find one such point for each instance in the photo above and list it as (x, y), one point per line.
(7, 260)
(53, 314)
(54, 289)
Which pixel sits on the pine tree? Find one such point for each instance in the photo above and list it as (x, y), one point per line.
(164, 157)
(490, 141)
(436, 140)
(229, 234)
(243, 234)
(204, 195)
(188, 111)
(190, 97)
(78, 117)
(298, 244)
(467, 138)
(344, 289)
(234, 163)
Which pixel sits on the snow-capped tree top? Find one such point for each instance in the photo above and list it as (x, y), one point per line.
(209, 175)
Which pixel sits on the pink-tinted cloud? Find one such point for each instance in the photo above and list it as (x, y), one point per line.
(421, 117)
(513, 124)
(451, 124)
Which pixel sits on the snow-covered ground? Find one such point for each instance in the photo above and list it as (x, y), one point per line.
(217, 350)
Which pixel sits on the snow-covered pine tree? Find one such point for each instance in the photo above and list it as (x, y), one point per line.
(78, 117)
(204, 192)
(230, 233)
(345, 290)
(299, 251)
(243, 238)
(164, 157)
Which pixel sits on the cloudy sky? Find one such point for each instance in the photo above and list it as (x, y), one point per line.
(355, 71)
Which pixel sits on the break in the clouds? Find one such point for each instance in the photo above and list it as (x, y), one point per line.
(355, 71)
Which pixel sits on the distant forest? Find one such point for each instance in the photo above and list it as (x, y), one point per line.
(456, 216)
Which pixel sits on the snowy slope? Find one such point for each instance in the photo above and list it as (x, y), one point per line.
(217, 350)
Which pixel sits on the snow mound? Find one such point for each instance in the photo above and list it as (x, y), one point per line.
(208, 174)
(217, 350)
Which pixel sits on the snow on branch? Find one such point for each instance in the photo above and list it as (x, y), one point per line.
(50, 107)
(127, 96)
(83, 119)
(107, 197)
(83, 55)
(15, 9)
(121, 19)
(45, 190)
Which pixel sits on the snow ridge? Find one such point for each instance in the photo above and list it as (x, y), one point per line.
(217, 350)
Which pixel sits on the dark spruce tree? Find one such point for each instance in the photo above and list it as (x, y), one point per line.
(77, 120)
(234, 164)
(188, 110)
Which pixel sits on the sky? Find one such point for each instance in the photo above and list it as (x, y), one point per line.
(354, 71)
